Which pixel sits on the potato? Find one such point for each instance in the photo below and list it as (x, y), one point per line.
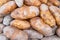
(20, 24)
(56, 13)
(44, 1)
(51, 38)
(25, 12)
(19, 35)
(7, 8)
(46, 15)
(8, 31)
(19, 3)
(38, 24)
(55, 2)
(33, 2)
(3, 2)
(33, 34)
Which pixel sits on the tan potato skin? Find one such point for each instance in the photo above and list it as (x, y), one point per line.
(56, 13)
(25, 12)
(47, 17)
(44, 1)
(19, 35)
(20, 24)
(55, 2)
(7, 8)
(3, 2)
(38, 24)
(33, 2)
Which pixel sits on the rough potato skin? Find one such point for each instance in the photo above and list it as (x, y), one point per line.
(44, 1)
(19, 35)
(20, 24)
(56, 13)
(7, 8)
(3, 2)
(46, 15)
(55, 2)
(33, 2)
(38, 24)
(25, 12)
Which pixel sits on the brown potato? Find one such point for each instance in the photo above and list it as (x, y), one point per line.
(3, 2)
(44, 1)
(19, 35)
(25, 12)
(56, 13)
(47, 16)
(33, 2)
(8, 31)
(38, 24)
(7, 8)
(20, 24)
(55, 2)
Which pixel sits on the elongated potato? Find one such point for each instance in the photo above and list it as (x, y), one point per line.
(33, 2)
(38, 24)
(20, 24)
(55, 2)
(46, 15)
(7, 8)
(3, 2)
(19, 35)
(56, 13)
(44, 1)
(25, 12)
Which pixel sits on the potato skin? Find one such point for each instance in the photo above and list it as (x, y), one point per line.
(44, 1)
(25, 12)
(20, 24)
(33, 2)
(46, 15)
(3, 2)
(19, 35)
(56, 13)
(7, 8)
(38, 24)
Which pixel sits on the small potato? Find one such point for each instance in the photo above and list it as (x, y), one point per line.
(33, 2)
(47, 16)
(19, 35)
(20, 24)
(8, 31)
(55, 2)
(34, 34)
(25, 12)
(44, 1)
(38, 24)
(19, 3)
(7, 8)
(56, 13)
(58, 32)
(51, 38)
(3, 2)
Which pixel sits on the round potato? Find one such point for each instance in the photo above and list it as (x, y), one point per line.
(38, 24)
(25, 12)
(20, 24)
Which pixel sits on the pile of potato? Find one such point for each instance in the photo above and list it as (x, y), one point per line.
(29, 20)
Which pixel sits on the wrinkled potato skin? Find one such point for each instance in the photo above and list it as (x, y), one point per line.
(7, 8)
(20, 24)
(44, 1)
(19, 35)
(38, 24)
(3, 2)
(33, 2)
(25, 12)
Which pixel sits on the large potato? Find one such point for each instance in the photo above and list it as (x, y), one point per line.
(38, 24)
(25, 12)
(46, 15)
(20, 24)
(7, 8)
(33, 2)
